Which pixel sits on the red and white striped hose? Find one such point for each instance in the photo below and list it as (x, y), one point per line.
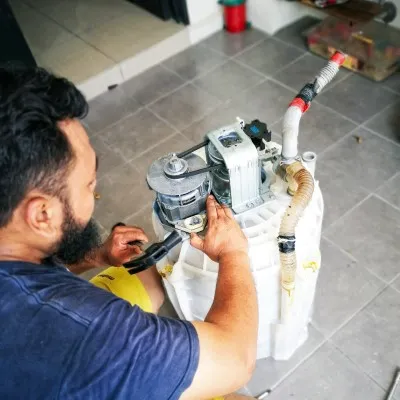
(301, 103)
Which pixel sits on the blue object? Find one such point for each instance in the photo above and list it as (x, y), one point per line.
(61, 337)
(254, 129)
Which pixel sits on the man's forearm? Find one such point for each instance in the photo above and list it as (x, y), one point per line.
(235, 307)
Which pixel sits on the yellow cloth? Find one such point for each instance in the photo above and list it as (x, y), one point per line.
(118, 281)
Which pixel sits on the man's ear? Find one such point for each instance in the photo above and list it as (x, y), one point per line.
(43, 214)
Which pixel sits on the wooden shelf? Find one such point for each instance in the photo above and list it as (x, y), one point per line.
(354, 11)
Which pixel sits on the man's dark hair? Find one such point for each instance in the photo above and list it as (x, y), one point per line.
(34, 152)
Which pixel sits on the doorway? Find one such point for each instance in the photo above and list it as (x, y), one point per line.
(13, 46)
(166, 9)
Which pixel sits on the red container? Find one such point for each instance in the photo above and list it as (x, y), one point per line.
(235, 16)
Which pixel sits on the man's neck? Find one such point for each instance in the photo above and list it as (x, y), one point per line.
(15, 251)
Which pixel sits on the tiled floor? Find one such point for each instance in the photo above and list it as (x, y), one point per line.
(81, 38)
(353, 347)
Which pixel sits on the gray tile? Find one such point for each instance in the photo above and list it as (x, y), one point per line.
(136, 134)
(370, 233)
(368, 163)
(269, 372)
(294, 33)
(108, 159)
(167, 310)
(371, 338)
(344, 286)
(174, 144)
(142, 219)
(185, 106)
(396, 283)
(270, 56)
(267, 102)
(340, 191)
(390, 191)
(225, 114)
(151, 85)
(393, 82)
(228, 80)
(232, 44)
(357, 98)
(320, 127)
(123, 193)
(303, 70)
(387, 122)
(327, 375)
(109, 108)
(194, 61)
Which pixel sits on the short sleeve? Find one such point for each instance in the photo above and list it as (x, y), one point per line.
(129, 354)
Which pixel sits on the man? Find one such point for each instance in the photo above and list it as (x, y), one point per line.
(63, 337)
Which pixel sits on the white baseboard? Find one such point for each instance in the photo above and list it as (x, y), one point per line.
(205, 28)
(150, 57)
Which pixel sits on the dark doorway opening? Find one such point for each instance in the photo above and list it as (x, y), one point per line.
(166, 9)
(13, 46)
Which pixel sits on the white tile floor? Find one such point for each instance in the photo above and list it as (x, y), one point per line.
(80, 39)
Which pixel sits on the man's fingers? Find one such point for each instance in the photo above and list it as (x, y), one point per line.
(134, 234)
(196, 242)
(220, 211)
(228, 212)
(211, 208)
(126, 228)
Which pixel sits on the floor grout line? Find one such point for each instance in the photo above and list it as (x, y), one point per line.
(379, 112)
(378, 189)
(289, 64)
(358, 367)
(138, 212)
(350, 210)
(76, 35)
(153, 146)
(346, 253)
(342, 139)
(381, 136)
(330, 336)
(222, 62)
(173, 127)
(131, 114)
(278, 39)
(164, 95)
(166, 68)
(386, 201)
(336, 112)
(331, 242)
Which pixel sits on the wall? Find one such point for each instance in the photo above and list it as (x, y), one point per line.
(396, 22)
(272, 15)
(201, 9)
(205, 18)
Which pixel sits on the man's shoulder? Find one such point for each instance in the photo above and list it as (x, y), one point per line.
(53, 289)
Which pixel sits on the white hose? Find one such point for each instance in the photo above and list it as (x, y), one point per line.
(290, 132)
(300, 105)
(301, 181)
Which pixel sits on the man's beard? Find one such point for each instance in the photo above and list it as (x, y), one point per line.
(77, 241)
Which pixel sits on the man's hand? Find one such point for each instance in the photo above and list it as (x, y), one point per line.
(223, 236)
(118, 248)
(115, 251)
